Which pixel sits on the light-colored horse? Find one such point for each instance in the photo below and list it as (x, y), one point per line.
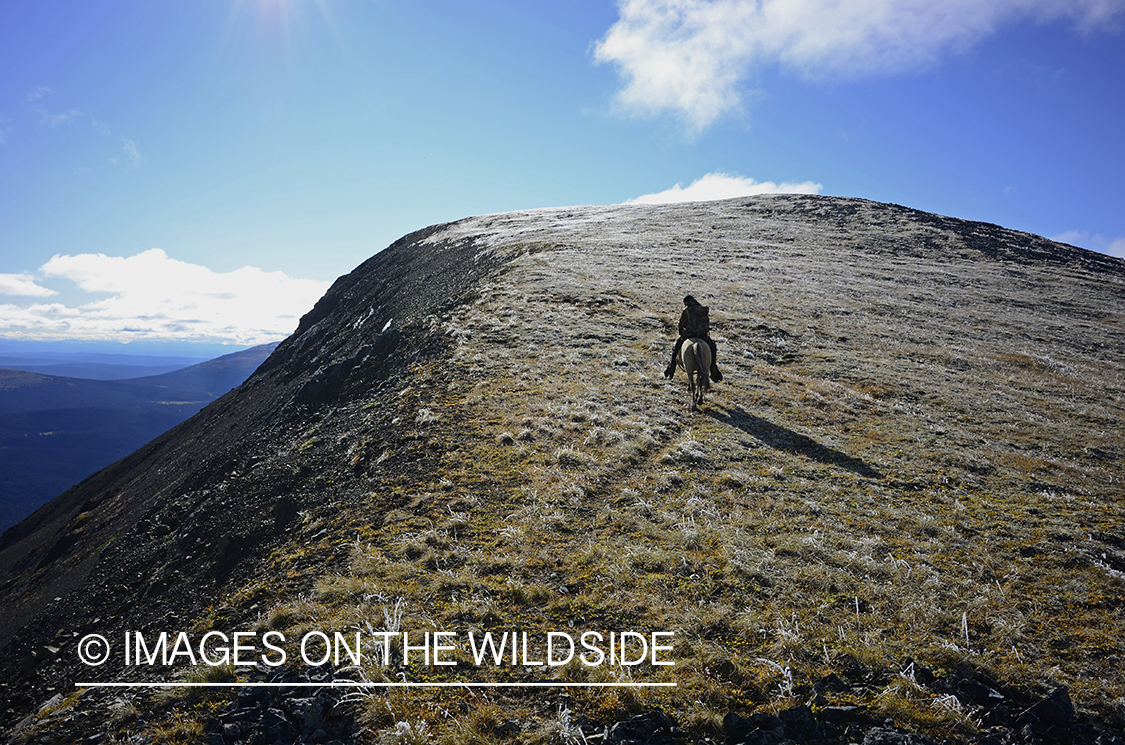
(695, 359)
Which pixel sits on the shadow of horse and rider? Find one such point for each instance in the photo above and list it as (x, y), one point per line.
(695, 359)
(788, 441)
(694, 353)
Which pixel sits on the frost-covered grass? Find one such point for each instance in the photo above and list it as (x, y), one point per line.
(916, 454)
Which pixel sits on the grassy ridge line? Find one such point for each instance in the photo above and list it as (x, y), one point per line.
(743, 529)
(909, 437)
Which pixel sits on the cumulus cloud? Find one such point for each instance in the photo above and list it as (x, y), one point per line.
(23, 285)
(691, 57)
(720, 185)
(152, 296)
(1097, 242)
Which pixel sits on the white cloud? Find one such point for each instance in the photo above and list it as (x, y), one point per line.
(724, 186)
(40, 92)
(130, 149)
(1073, 237)
(1097, 242)
(66, 117)
(152, 296)
(691, 57)
(23, 285)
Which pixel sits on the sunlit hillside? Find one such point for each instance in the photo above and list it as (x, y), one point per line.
(908, 486)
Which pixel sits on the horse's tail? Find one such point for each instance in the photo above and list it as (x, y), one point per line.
(701, 356)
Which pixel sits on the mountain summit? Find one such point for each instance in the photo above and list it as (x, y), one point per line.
(904, 501)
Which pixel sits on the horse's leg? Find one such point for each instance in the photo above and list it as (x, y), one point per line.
(703, 366)
(686, 359)
(690, 382)
(693, 378)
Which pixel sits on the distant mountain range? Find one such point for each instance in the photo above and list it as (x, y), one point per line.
(93, 365)
(55, 431)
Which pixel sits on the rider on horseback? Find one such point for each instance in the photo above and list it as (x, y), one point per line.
(694, 323)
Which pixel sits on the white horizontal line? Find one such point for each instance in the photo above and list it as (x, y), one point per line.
(349, 684)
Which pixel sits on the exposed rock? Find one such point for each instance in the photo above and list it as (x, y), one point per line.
(1054, 710)
(882, 736)
(652, 728)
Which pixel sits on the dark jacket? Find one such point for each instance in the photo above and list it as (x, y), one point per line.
(694, 321)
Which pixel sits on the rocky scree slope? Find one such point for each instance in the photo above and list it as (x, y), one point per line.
(915, 455)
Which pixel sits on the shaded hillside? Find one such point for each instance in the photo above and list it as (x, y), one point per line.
(198, 384)
(56, 431)
(906, 496)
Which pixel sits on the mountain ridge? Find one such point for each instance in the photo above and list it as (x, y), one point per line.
(508, 365)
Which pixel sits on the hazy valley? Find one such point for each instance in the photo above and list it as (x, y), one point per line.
(57, 429)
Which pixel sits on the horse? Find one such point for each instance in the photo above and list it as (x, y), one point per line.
(695, 360)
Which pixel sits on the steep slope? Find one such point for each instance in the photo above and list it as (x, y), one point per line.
(54, 431)
(164, 532)
(916, 453)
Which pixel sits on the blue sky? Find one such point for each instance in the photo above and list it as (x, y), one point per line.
(201, 170)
